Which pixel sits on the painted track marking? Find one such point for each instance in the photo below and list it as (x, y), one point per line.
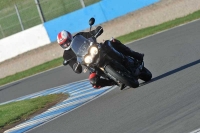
(80, 92)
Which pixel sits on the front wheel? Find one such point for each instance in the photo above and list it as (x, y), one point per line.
(145, 75)
(121, 77)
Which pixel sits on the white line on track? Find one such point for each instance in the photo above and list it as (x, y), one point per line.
(196, 131)
(80, 92)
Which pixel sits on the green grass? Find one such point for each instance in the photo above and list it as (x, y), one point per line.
(51, 10)
(9, 23)
(8, 3)
(18, 111)
(126, 38)
(89, 2)
(32, 71)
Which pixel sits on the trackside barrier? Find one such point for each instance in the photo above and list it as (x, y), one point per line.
(103, 11)
(22, 42)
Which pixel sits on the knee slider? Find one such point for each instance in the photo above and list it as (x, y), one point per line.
(93, 78)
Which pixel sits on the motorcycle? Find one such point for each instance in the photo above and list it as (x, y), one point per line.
(95, 57)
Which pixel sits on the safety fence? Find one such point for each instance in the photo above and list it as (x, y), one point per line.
(29, 13)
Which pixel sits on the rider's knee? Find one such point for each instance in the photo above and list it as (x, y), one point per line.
(93, 80)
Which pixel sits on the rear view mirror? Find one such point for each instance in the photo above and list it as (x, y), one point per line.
(91, 21)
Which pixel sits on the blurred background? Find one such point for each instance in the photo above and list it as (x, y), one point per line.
(18, 15)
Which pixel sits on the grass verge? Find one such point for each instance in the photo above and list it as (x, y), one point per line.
(125, 38)
(155, 29)
(16, 112)
(37, 69)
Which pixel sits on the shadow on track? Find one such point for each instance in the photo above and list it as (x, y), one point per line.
(171, 72)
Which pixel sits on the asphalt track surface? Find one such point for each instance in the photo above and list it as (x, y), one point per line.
(170, 103)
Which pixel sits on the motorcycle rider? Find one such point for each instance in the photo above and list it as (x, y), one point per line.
(64, 39)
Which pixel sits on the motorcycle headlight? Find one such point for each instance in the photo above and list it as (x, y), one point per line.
(93, 51)
(88, 59)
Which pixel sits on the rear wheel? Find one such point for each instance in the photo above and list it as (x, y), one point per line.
(145, 75)
(122, 77)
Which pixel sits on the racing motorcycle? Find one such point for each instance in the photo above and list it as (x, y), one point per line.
(95, 57)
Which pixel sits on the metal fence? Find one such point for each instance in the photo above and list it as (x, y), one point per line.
(30, 13)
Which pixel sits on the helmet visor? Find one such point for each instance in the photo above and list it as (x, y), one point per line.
(66, 44)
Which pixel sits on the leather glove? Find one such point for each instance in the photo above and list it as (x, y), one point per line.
(77, 68)
(99, 29)
(65, 62)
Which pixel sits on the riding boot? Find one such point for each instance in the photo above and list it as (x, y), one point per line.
(122, 86)
(104, 82)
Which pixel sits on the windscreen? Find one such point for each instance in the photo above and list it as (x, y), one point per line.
(80, 45)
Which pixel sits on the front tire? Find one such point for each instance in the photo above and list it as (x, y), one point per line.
(146, 75)
(122, 78)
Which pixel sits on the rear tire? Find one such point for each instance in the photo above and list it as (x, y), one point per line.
(146, 75)
(122, 78)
